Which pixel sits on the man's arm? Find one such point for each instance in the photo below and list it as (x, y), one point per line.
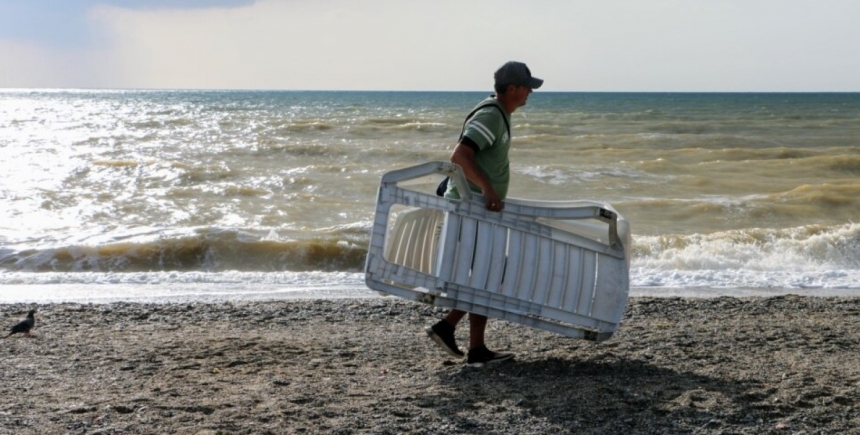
(464, 157)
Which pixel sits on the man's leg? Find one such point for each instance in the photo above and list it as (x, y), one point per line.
(477, 326)
(478, 352)
(454, 317)
(442, 333)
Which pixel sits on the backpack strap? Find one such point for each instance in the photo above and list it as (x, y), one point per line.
(482, 106)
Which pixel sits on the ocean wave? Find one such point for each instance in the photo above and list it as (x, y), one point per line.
(422, 126)
(304, 126)
(309, 149)
(742, 150)
(822, 195)
(403, 129)
(807, 248)
(849, 164)
(338, 249)
(700, 282)
(806, 257)
(395, 120)
(564, 175)
(811, 204)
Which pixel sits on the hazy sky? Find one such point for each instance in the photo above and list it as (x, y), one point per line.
(575, 45)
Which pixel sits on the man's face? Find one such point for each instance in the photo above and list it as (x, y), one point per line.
(521, 94)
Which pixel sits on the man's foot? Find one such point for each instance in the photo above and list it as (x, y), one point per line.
(443, 334)
(480, 356)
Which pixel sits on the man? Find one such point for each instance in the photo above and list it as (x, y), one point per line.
(482, 153)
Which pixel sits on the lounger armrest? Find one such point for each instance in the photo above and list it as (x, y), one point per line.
(442, 168)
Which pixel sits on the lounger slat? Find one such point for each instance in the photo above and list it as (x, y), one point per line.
(586, 294)
(465, 251)
(497, 258)
(574, 280)
(528, 274)
(544, 267)
(514, 261)
(558, 282)
(482, 256)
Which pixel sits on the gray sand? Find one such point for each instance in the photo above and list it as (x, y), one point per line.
(777, 365)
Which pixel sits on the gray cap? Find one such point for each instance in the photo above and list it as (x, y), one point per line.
(516, 73)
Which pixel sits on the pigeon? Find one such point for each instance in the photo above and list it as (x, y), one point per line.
(24, 326)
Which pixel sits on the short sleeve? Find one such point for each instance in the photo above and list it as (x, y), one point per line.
(485, 128)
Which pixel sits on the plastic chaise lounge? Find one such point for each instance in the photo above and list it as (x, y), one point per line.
(561, 266)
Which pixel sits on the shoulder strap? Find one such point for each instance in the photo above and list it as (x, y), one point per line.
(473, 112)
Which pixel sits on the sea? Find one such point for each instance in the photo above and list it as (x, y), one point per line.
(184, 195)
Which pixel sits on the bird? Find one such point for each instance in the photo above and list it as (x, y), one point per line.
(24, 326)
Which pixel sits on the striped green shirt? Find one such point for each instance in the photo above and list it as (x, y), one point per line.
(488, 129)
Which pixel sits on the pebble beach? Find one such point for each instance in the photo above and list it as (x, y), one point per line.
(781, 365)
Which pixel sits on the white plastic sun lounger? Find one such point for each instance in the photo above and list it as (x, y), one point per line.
(558, 266)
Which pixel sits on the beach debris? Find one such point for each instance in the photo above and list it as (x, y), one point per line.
(23, 326)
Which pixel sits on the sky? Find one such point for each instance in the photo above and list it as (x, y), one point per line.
(574, 45)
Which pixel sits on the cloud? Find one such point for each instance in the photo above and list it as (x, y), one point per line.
(51, 44)
(64, 24)
(660, 45)
(292, 45)
(27, 65)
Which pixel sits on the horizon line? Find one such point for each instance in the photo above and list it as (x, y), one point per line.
(144, 89)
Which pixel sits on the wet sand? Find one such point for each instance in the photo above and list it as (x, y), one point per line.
(784, 364)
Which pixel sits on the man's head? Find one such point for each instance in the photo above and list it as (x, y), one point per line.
(517, 74)
(514, 83)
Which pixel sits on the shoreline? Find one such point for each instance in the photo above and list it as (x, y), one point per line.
(784, 364)
(101, 293)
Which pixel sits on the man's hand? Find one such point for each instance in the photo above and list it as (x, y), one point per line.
(492, 201)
